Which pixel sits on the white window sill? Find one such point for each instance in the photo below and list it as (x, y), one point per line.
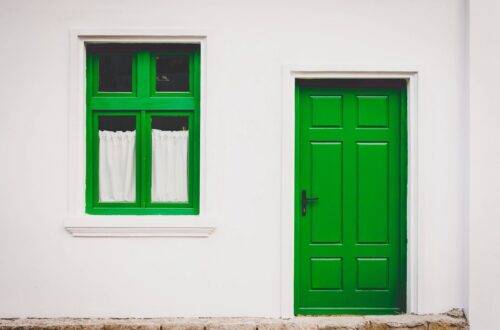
(139, 226)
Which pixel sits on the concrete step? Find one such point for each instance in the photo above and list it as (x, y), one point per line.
(454, 319)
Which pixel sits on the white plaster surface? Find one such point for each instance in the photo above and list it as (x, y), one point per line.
(46, 272)
(484, 227)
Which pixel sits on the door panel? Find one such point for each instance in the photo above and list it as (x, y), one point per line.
(373, 191)
(326, 181)
(351, 242)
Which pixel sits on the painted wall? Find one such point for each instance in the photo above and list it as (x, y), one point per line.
(47, 272)
(484, 228)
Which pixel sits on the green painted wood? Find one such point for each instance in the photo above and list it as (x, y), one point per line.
(350, 246)
(142, 102)
(326, 166)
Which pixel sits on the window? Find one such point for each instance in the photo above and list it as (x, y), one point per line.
(143, 120)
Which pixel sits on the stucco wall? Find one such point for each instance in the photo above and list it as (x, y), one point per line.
(47, 272)
(484, 227)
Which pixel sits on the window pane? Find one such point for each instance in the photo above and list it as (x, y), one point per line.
(169, 158)
(169, 123)
(172, 73)
(115, 73)
(117, 123)
(117, 158)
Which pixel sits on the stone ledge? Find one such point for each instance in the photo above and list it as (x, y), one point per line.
(454, 319)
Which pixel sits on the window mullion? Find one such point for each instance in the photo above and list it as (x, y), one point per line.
(143, 92)
(145, 169)
(143, 73)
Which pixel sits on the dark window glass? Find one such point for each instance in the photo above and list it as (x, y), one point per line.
(115, 73)
(172, 73)
(116, 123)
(170, 123)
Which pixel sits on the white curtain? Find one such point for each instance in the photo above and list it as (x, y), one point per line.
(116, 166)
(170, 169)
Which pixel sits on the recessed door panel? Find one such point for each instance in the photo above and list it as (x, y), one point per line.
(373, 192)
(326, 111)
(326, 180)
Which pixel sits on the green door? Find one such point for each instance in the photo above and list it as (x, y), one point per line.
(350, 219)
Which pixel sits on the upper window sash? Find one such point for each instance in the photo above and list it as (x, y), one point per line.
(143, 69)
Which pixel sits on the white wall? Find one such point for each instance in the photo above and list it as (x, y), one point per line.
(46, 272)
(484, 227)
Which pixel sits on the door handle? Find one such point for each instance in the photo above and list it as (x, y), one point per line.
(305, 200)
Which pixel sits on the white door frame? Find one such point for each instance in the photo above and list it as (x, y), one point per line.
(290, 74)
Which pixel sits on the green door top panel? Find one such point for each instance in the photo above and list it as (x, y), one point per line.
(350, 244)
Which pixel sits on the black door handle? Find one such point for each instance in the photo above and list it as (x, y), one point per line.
(305, 201)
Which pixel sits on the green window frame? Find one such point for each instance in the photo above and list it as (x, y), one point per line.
(143, 102)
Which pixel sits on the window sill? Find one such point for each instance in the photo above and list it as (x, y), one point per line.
(139, 226)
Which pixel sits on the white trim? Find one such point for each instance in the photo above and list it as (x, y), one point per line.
(76, 221)
(140, 231)
(292, 72)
